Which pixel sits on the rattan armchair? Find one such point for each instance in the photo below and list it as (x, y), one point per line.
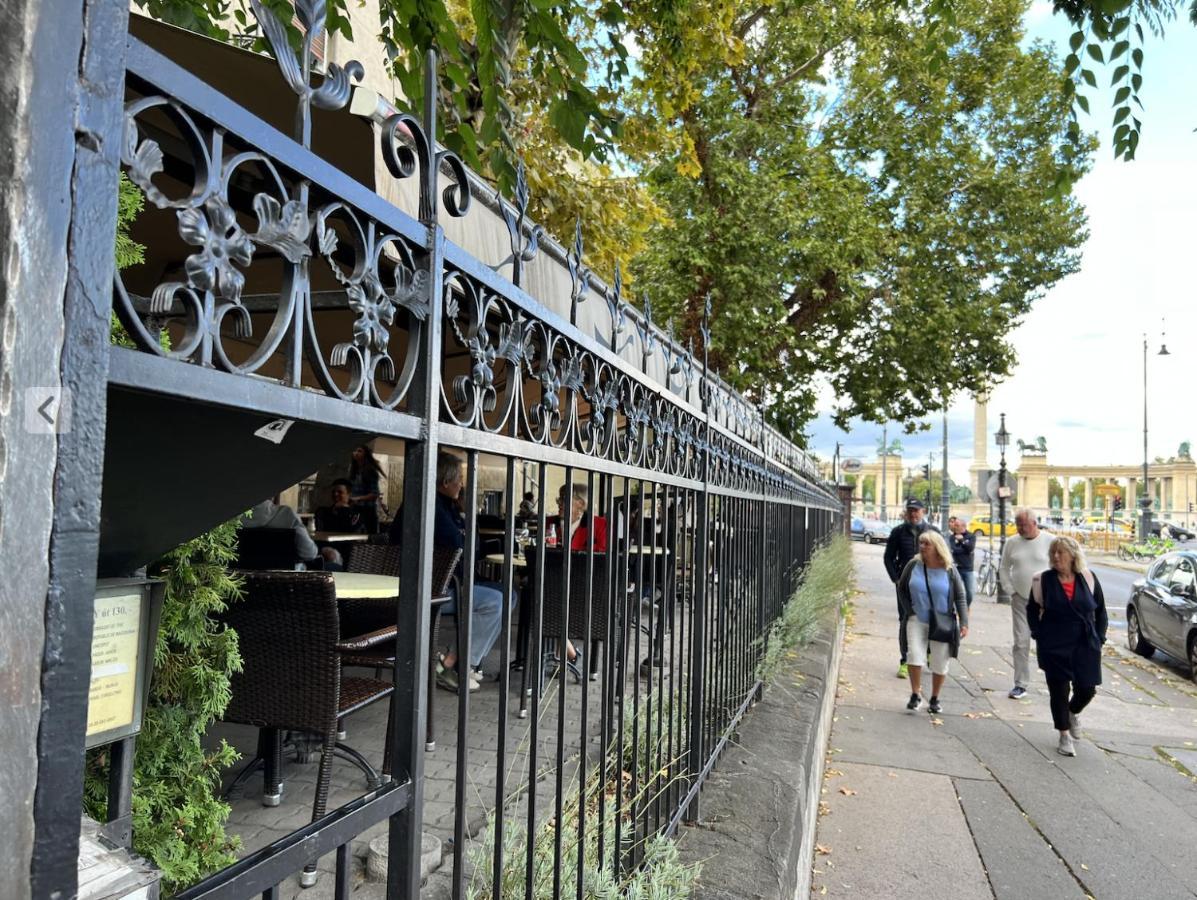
(289, 635)
(362, 616)
(553, 624)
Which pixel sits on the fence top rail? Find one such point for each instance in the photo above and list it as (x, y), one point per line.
(736, 428)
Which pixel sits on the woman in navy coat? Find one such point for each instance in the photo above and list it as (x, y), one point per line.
(1067, 615)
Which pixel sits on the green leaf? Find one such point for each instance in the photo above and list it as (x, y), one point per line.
(1071, 63)
(1119, 74)
(1120, 49)
(569, 121)
(1090, 78)
(1095, 51)
(1121, 114)
(1120, 25)
(1074, 42)
(1083, 102)
(1121, 95)
(1137, 58)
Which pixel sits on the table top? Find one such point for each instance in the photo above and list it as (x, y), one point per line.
(491, 532)
(644, 551)
(335, 537)
(520, 562)
(356, 585)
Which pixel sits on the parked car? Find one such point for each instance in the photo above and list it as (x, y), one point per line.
(876, 531)
(981, 526)
(1115, 525)
(858, 529)
(1162, 610)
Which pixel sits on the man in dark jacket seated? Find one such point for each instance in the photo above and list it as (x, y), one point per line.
(449, 527)
(342, 517)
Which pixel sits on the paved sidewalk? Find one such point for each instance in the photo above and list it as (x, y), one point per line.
(975, 803)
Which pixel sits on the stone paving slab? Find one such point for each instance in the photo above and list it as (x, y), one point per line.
(1018, 861)
(900, 834)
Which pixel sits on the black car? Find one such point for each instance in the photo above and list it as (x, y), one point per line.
(1171, 529)
(1162, 611)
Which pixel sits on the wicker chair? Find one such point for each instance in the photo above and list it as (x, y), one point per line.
(288, 630)
(600, 602)
(363, 616)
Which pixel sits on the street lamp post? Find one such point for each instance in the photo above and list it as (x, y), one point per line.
(884, 458)
(944, 500)
(1003, 440)
(1145, 503)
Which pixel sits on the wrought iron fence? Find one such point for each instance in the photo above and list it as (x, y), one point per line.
(290, 274)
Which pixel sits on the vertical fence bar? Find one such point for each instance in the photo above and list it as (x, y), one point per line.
(465, 663)
(536, 642)
(563, 644)
(500, 818)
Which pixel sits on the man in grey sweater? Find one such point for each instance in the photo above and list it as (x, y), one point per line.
(1024, 557)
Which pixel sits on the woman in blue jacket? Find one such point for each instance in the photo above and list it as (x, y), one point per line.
(930, 580)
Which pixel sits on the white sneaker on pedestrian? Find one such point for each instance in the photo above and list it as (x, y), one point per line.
(1017, 692)
(1066, 747)
(1074, 726)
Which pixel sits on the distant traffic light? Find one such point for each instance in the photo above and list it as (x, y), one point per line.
(1118, 504)
(927, 471)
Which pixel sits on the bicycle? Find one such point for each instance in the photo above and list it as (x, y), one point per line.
(987, 576)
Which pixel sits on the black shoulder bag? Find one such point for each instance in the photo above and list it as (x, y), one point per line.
(942, 625)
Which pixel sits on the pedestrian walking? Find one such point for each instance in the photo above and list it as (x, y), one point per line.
(963, 546)
(1067, 617)
(901, 547)
(1025, 555)
(930, 585)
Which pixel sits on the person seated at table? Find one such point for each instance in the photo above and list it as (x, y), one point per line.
(527, 508)
(580, 526)
(487, 601)
(580, 522)
(269, 514)
(342, 517)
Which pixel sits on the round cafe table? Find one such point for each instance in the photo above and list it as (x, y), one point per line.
(339, 537)
(359, 586)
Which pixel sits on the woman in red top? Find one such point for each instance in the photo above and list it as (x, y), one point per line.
(580, 522)
(1067, 615)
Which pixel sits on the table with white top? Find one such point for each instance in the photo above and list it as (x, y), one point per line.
(360, 586)
(339, 537)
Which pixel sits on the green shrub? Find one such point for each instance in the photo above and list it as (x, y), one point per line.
(828, 581)
(178, 818)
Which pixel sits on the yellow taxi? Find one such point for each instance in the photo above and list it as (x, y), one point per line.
(981, 526)
(1116, 526)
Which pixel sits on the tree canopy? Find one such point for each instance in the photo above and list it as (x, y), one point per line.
(871, 193)
(864, 211)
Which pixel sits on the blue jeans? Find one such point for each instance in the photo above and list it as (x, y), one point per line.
(486, 620)
(970, 583)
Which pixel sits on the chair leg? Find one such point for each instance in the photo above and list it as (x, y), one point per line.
(270, 748)
(307, 878)
(429, 728)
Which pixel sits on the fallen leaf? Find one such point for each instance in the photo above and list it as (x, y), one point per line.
(847, 792)
(822, 849)
(1085, 867)
(832, 773)
(892, 774)
(937, 721)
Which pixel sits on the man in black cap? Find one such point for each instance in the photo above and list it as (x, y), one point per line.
(901, 548)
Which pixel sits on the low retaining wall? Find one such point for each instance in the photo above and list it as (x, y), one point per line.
(756, 832)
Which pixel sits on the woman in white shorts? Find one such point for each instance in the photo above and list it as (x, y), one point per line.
(930, 578)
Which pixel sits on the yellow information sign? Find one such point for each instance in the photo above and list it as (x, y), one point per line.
(1108, 490)
(115, 647)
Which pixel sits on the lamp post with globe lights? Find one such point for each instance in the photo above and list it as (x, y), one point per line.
(1145, 503)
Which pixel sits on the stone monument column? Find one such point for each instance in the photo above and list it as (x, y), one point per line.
(978, 471)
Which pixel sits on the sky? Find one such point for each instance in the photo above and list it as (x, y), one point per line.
(1079, 379)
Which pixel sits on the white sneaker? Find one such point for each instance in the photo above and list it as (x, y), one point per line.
(1074, 726)
(1066, 747)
